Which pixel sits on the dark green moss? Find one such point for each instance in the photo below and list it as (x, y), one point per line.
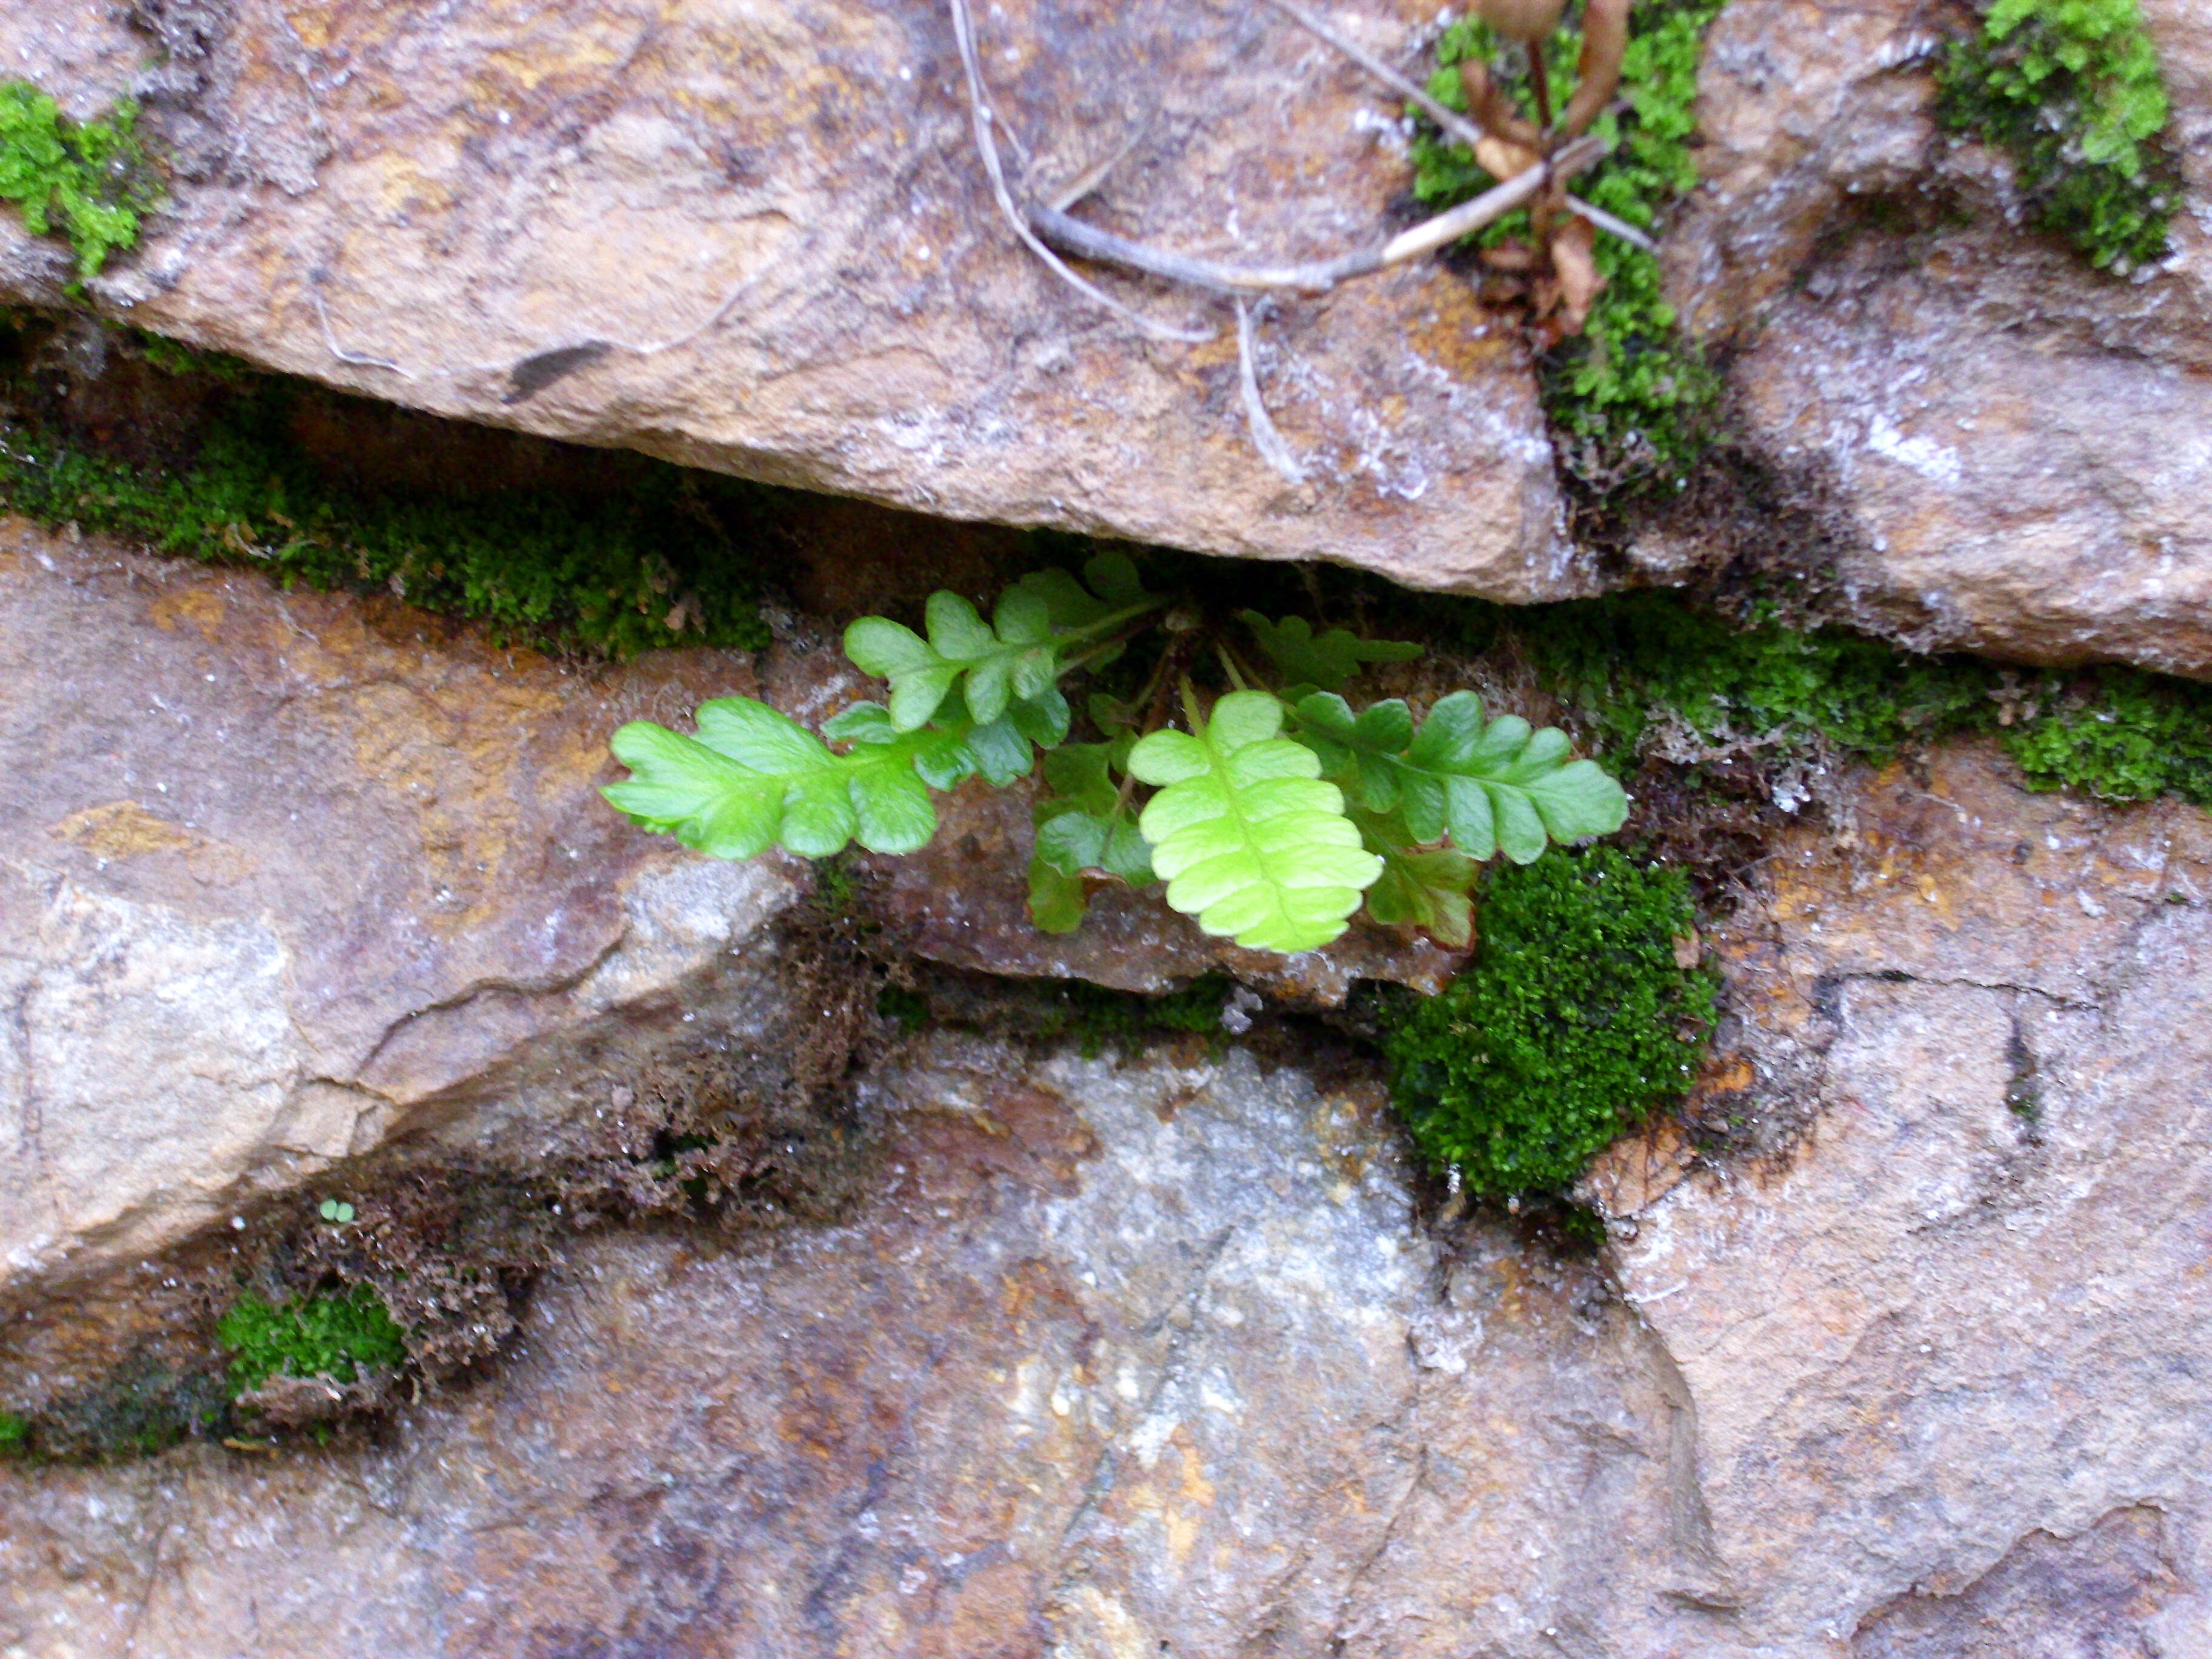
(909, 1008)
(2070, 88)
(1573, 1021)
(1631, 401)
(1099, 1019)
(87, 181)
(13, 1432)
(144, 1408)
(617, 572)
(331, 1333)
(2119, 734)
(1633, 659)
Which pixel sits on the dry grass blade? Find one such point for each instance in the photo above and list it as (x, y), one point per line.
(1485, 96)
(1265, 438)
(1605, 46)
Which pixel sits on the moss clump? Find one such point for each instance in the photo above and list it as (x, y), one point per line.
(1632, 399)
(1629, 660)
(330, 1333)
(144, 1407)
(2119, 734)
(13, 1432)
(619, 573)
(1573, 1021)
(1099, 1019)
(88, 180)
(2072, 89)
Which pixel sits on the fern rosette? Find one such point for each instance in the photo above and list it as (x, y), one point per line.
(1272, 820)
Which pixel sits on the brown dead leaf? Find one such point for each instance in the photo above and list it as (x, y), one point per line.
(1563, 300)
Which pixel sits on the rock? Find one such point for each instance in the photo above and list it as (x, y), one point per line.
(1115, 1355)
(1960, 1315)
(761, 240)
(963, 901)
(286, 878)
(2013, 448)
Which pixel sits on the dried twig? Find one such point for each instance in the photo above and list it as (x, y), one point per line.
(1089, 242)
(1265, 439)
(1448, 118)
(964, 30)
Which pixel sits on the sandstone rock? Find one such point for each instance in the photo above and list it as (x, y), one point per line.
(963, 901)
(2014, 448)
(283, 877)
(1117, 1356)
(759, 238)
(1963, 1311)
(1121, 1355)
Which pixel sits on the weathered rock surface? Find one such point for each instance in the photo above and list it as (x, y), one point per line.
(963, 901)
(1963, 1314)
(1121, 1355)
(2018, 450)
(283, 878)
(759, 238)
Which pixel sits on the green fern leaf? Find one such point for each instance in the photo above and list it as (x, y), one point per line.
(1422, 889)
(1324, 661)
(1084, 824)
(1015, 658)
(752, 778)
(1494, 786)
(1251, 843)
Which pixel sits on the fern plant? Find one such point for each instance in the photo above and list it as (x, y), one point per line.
(1270, 806)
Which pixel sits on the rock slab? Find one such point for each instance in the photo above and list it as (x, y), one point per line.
(283, 877)
(759, 238)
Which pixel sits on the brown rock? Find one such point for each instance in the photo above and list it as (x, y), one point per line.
(963, 901)
(1965, 1306)
(1121, 1355)
(2012, 447)
(761, 241)
(284, 876)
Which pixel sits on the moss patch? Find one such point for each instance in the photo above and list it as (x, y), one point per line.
(1574, 1021)
(2119, 734)
(87, 181)
(331, 1333)
(13, 1432)
(1631, 400)
(2070, 89)
(144, 1407)
(657, 564)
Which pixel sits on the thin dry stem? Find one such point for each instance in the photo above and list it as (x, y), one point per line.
(1448, 118)
(1265, 439)
(1089, 242)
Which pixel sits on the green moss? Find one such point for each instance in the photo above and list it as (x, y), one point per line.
(1633, 659)
(143, 1408)
(2072, 89)
(88, 182)
(1099, 1019)
(1631, 399)
(909, 1008)
(1573, 1021)
(2119, 734)
(617, 573)
(13, 1432)
(327, 1335)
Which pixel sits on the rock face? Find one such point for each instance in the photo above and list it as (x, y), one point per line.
(1122, 1354)
(1963, 1315)
(282, 878)
(2018, 449)
(759, 238)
